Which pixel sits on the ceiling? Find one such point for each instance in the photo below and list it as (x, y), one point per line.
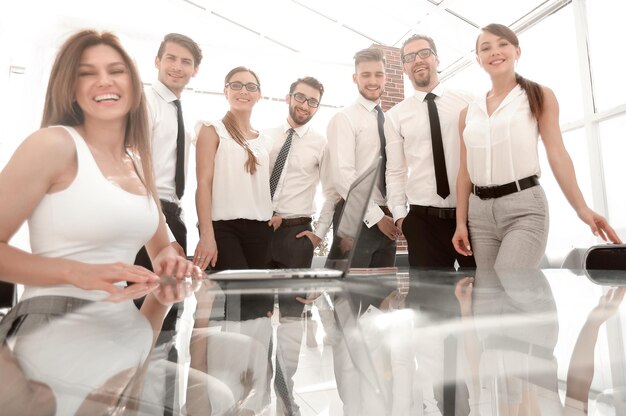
(282, 38)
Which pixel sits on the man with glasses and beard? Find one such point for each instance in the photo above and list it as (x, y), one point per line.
(295, 166)
(355, 142)
(413, 172)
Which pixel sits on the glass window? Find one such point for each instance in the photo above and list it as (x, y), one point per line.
(606, 34)
(567, 231)
(613, 148)
(551, 58)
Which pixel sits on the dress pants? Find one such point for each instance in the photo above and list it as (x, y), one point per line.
(430, 242)
(510, 232)
(373, 248)
(244, 244)
(287, 251)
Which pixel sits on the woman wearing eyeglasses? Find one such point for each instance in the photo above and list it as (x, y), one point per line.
(233, 195)
(234, 206)
(498, 190)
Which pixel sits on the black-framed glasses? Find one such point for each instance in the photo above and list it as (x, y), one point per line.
(237, 86)
(422, 53)
(301, 98)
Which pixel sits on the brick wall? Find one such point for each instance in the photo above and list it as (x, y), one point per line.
(394, 88)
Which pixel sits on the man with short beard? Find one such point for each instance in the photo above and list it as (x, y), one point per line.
(431, 221)
(354, 144)
(293, 187)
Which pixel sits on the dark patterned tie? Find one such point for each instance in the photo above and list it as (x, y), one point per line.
(179, 177)
(441, 177)
(381, 135)
(280, 163)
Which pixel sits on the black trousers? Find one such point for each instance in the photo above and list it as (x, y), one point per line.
(287, 251)
(373, 248)
(244, 244)
(172, 213)
(430, 242)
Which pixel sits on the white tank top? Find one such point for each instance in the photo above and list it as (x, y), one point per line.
(92, 221)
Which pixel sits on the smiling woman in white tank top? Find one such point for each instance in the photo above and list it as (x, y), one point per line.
(84, 183)
(498, 191)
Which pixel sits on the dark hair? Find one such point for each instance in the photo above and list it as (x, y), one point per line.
(369, 55)
(184, 41)
(428, 39)
(311, 82)
(230, 122)
(61, 108)
(532, 89)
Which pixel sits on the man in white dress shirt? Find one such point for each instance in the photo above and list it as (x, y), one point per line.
(431, 221)
(293, 201)
(354, 144)
(177, 61)
(294, 241)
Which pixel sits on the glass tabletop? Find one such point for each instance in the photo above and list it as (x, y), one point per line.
(409, 342)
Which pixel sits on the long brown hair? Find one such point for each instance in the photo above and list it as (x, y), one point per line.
(532, 89)
(61, 108)
(233, 128)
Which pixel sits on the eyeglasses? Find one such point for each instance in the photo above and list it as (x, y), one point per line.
(237, 86)
(422, 53)
(301, 98)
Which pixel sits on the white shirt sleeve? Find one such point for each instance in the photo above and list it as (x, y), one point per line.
(396, 174)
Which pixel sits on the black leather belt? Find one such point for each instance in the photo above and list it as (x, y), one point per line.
(385, 210)
(441, 213)
(292, 222)
(489, 192)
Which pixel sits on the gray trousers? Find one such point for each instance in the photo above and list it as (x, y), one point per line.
(510, 231)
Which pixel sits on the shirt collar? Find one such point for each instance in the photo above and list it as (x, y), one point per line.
(300, 131)
(439, 90)
(515, 92)
(164, 92)
(369, 105)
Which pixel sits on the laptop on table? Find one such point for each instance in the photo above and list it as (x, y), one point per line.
(344, 242)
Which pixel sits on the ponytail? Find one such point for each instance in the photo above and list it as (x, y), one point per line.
(230, 122)
(534, 94)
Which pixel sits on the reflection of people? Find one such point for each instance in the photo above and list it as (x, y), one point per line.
(230, 368)
(295, 165)
(507, 211)
(89, 160)
(232, 155)
(411, 174)
(513, 362)
(234, 232)
(354, 144)
(581, 367)
(177, 61)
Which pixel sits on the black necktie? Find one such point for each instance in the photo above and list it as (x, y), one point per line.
(179, 176)
(280, 163)
(381, 135)
(441, 177)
